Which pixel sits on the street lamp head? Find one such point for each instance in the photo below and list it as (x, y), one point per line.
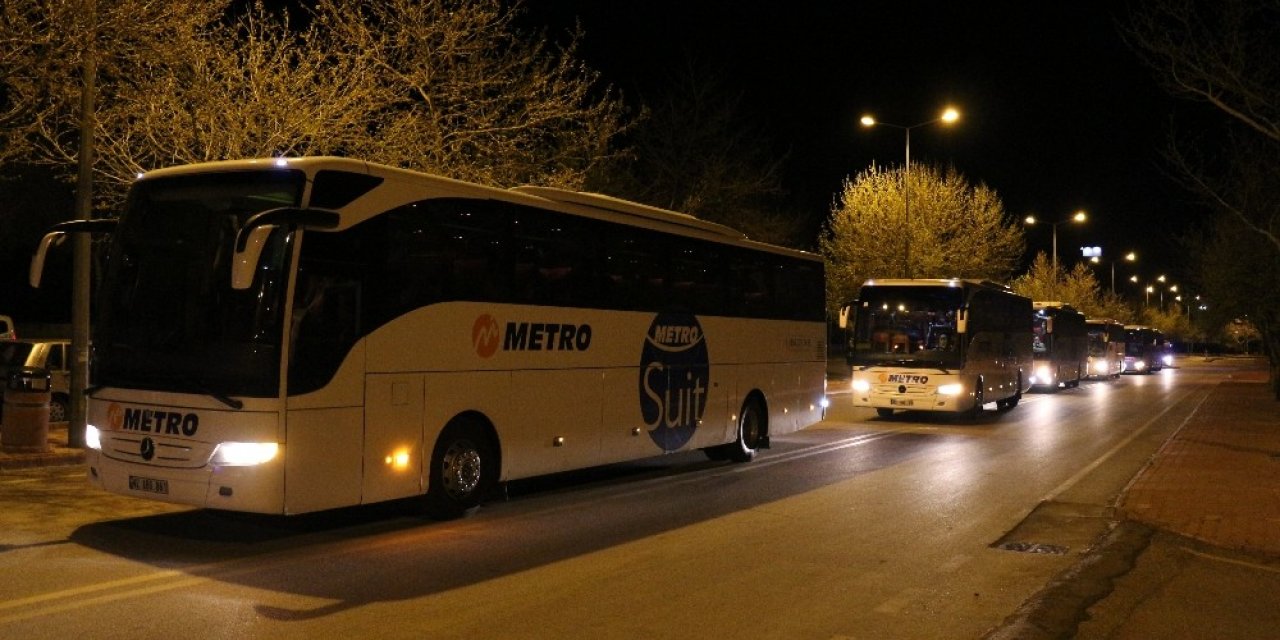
(1150, 289)
(1030, 220)
(1095, 260)
(868, 121)
(1131, 256)
(950, 115)
(1133, 279)
(1080, 216)
(1160, 278)
(1174, 288)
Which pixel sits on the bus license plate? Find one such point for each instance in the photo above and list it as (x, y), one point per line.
(149, 485)
(902, 403)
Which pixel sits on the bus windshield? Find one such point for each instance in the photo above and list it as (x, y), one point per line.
(169, 319)
(907, 326)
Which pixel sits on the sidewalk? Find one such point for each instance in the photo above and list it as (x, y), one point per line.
(1217, 480)
(57, 455)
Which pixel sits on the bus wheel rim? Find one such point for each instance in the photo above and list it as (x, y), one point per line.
(460, 470)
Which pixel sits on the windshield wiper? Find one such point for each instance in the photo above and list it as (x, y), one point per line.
(200, 387)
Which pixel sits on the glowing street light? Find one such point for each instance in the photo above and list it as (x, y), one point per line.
(1079, 216)
(948, 116)
(1128, 257)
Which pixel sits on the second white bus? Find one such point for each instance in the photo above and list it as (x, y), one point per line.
(938, 345)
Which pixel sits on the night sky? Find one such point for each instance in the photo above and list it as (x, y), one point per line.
(1058, 113)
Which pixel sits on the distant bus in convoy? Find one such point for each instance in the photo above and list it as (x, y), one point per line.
(1106, 348)
(1059, 345)
(1143, 348)
(286, 336)
(938, 345)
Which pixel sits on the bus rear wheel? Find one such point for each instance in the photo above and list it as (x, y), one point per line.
(464, 466)
(751, 431)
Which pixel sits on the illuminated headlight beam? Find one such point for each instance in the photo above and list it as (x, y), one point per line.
(244, 454)
(92, 437)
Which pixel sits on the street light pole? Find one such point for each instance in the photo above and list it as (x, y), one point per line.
(1129, 257)
(948, 116)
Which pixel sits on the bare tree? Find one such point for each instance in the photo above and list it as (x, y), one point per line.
(1226, 54)
(955, 229)
(43, 45)
(458, 91)
(697, 152)
(445, 86)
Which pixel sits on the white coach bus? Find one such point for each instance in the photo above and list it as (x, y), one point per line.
(938, 345)
(286, 336)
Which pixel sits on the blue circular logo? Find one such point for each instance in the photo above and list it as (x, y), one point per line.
(675, 377)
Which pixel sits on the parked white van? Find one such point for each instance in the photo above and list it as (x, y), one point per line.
(52, 355)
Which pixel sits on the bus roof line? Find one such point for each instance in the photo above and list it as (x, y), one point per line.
(618, 205)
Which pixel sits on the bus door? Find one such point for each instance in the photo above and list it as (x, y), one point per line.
(394, 456)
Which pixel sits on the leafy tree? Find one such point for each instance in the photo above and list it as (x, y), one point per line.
(696, 152)
(1078, 288)
(955, 229)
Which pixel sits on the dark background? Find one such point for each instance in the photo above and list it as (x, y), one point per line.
(1058, 113)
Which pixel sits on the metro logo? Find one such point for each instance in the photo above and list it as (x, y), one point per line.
(675, 378)
(484, 336)
(152, 421)
(115, 417)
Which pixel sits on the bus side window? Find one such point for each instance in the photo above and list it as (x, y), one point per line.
(552, 259)
(634, 270)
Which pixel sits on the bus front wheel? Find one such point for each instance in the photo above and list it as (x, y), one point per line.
(463, 468)
(977, 400)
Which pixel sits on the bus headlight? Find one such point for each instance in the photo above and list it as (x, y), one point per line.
(1042, 375)
(1139, 365)
(92, 438)
(861, 386)
(1167, 359)
(244, 454)
(1101, 367)
(953, 389)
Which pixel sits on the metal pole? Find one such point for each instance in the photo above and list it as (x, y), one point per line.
(1113, 277)
(82, 243)
(1055, 250)
(906, 195)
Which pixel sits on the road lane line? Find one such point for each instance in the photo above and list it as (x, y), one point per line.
(1079, 475)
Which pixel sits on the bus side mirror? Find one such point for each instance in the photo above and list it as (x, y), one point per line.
(962, 321)
(37, 261)
(252, 237)
(245, 261)
(844, 316)
(57, 234)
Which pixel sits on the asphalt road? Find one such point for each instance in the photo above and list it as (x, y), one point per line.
(918, 526)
